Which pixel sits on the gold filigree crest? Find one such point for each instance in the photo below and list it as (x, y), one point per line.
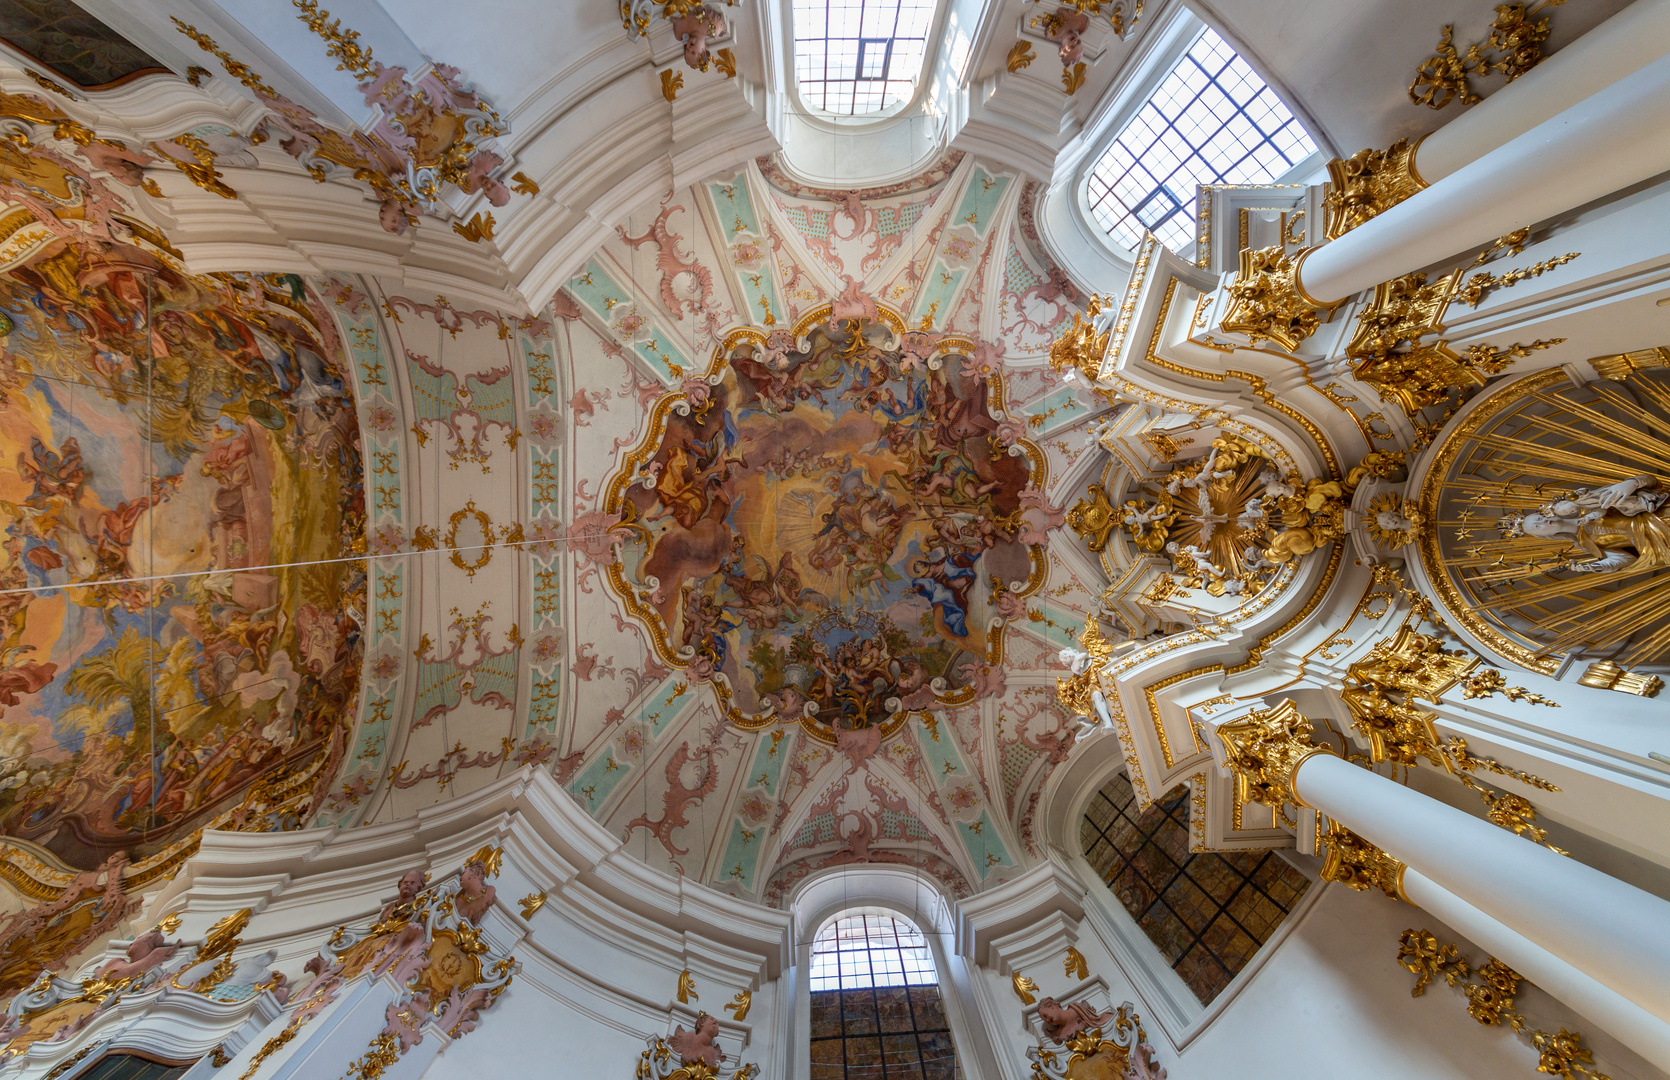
(928, 353)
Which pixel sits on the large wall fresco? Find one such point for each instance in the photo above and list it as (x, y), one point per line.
(825, 527)
(180, 623)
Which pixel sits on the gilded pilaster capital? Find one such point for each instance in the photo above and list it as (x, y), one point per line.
(1264, 749)
(1367, 184)
(1358, 864)
(1267, 302)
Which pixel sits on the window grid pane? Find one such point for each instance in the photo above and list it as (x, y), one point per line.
(1206, 912)
(831, 37)
(1212, 120)
(876, 1009)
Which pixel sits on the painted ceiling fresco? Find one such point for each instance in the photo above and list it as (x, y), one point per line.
(185, 473)
(793, 501)
(747, 536)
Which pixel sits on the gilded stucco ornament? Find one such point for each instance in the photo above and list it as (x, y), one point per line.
(1397, 346)
(1367, 184)
(1078, 1045)
(1094, 517)
(690, 1055)
(1264, 749)
(1491, 990)
(1076, 694)
(1081, 347)
(1266, 301)
(1358, 864)
(1513, 47)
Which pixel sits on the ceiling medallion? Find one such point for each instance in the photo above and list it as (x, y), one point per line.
(833, 526)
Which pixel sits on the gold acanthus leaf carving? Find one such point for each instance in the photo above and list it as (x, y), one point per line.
(1264, 748)
(1094, 517)
(1367, 184)
(1491, 990)
(1023, 988)
(1513, 47)
(1266, 302)
(1081, 347)
(1020, 56)
(1358, 864)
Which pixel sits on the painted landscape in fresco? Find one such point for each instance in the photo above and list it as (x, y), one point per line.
(826, 527)
(171, 446)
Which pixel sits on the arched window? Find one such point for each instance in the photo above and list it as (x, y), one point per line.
(876, 1007)
(1211, 121)
(132, 1066)
(1207, 912)
(854, 57)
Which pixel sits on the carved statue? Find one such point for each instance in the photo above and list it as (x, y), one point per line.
(698, 1047)
(1623, 526)
(476, 896)
(149, 950)
(1062, 1022)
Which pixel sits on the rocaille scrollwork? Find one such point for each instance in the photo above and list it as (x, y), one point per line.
(1367, 184)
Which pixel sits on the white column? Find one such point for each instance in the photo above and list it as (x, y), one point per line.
(1620, 46)
(1610, 140)
(1611, 931)
(1624, 1020)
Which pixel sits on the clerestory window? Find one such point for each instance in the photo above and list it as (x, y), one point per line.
(1211, 121)
(877, 1013)
(854, 57)
(1207, 912)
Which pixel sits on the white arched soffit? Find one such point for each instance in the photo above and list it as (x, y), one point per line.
(1067, 224)
(1171, 1004)
(826, 149)
(906, 894)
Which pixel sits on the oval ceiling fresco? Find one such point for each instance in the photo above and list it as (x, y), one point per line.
(180, 629)
(825, 526)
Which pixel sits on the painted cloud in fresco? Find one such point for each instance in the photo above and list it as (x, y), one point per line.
(156, 661)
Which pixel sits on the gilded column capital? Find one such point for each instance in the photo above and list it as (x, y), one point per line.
(1267, 302)
(1264, 749)
(1358, 864)
(1367, 184)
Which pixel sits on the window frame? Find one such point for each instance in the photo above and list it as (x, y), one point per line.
(904, 894)
(1173, 1005)
(847, 122)
(1161, 49)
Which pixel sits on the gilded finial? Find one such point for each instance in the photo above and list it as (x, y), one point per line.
(686, 987)
(1075, 965)
(740, 1004)
(1023, 988)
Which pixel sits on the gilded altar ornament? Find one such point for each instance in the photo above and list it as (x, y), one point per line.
(1266, 301)
(531, 903)
(1020, 56)
(1081, 347)
(1076, 694)
(192, 156)
(1023, 988)
(671, 83)
(1093, 517)
(690, 1055)
(1605, 675)
(686, 987)
(739, 1005)
(1358, 864)
(1513, 47)
(1491, 990)
(477, 229)
(1367, 184)
(1074, 965)
(1392, 520)
(1620, 366)
(1264, 750)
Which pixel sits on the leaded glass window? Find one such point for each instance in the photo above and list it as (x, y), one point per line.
(859, 56)
(1212, 121)
(1207, 912)
(121, 1066)
(876, 1007)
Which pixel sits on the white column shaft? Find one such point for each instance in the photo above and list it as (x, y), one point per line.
(1620, 46)
(1606, 142)
(1621, 1018)
(1611, 931)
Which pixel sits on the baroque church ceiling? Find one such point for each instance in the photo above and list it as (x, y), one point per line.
(807, 446)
